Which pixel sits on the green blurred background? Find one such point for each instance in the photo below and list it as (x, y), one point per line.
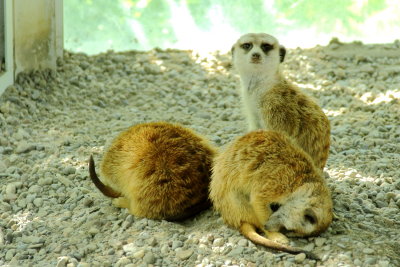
(94, 26)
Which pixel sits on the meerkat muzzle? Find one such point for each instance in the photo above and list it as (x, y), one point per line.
(256, 58)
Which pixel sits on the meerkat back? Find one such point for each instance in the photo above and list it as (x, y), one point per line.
(272, 103)
(158, 170)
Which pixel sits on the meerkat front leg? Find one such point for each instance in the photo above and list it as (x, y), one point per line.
(276, 236)
(263, 213)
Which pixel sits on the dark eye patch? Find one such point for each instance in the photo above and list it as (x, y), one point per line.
(266, 47)
(274, 206)
(247, 46)
(310, 219)
(309, 216)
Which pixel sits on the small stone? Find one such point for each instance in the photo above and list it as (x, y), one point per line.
(35, 189)
(309, 247)
(10, 197)
(139, 254)
(38, 202)
(164, 249)
(67, 182)
(319, 241)
(32, 239)
(370, 261)
(176, 244)
(69, 170)
(204, 116)
(129, 248)
(299, 258)
(236, 251)
(93, 231)
(184, 254)
(151, 241)
(87, 202)
(24, 148)
(10, 254)
(218, 242)
(123, 261)
(3, 166)
(243, 242)
(149, 258)
(368, 251)
(11, 189)
(357, 262)
(62, 261)
(45, 181)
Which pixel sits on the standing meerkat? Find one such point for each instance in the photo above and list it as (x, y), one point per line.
(157, 170)
(272, 103)
(264, 182)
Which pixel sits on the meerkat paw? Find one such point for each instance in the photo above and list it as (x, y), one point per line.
(120, 202)
(277, 237)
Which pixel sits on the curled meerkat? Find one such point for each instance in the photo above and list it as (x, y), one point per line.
(157, 170)
(264, 182)
(272, 103)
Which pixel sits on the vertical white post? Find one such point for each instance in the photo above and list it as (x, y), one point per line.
(7, 77)
(59, 28)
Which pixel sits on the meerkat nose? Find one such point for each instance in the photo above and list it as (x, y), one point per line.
(255, 56)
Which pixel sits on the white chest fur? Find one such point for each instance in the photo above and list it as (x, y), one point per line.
(253, 89)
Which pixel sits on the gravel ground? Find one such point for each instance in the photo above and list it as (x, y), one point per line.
(52, 215)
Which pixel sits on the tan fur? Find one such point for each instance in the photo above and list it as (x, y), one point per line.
(264, 168)
(161, 170)
(272, 103)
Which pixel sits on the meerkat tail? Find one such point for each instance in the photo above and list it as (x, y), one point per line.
(191, 211)
(249, 231)
(107, 191)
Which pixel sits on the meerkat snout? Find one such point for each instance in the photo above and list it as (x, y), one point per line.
(256, 57)
(302, 214)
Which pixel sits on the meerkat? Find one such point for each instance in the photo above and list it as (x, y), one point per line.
(157, 170)
(273, 103)
(264, 182)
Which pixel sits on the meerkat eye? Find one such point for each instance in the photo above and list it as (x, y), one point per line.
(247, 46)
(274, 206)
(266, 47)
(310, 218)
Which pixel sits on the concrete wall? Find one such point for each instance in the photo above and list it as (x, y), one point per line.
(2, 34)
(33, 35)
(36, 34)
(6, 51)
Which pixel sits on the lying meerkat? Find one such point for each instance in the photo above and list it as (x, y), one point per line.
(264, 182)
(157, 170)
(272, 103)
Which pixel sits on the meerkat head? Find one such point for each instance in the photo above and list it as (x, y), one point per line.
(305, 212)
(257, 52)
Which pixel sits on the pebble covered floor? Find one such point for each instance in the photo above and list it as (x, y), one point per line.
(52, 121)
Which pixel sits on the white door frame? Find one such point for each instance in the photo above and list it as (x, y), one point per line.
(7, 77)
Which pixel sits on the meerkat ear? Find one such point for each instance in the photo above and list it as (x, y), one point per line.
(282, 52)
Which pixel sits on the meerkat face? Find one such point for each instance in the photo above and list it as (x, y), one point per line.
(257, 51)
(306, 212)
